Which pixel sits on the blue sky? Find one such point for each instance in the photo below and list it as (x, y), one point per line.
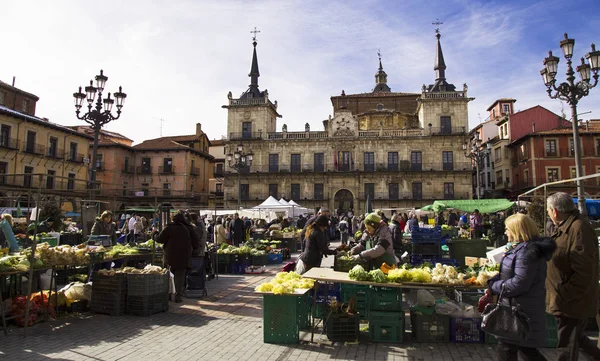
(178, 59)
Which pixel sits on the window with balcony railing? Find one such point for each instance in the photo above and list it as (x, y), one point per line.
(167, 189)
(499, 177)
(417, 191)
(370, 190)
(553, 174)
(369, 162)
(319, 162)
(318, 191)
(448, 190)
(274, 190)
(27, 177)
(71, 181)
(273, 163)
(295, 191)
(393, 191)
(445, 125)
(50, 179)
(295, 163)
(244, 192)
(416, 161)
(448, 160)
(392, 165)
(3, 171)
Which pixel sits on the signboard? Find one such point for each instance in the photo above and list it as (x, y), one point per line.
(139, 194)
(86, 160)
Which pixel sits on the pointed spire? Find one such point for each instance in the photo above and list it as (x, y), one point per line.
(254, 73)
(440, 64)
(381, 78)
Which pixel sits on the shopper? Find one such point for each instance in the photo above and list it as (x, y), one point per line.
(6, 225)
(180, 241)
(301, 222)
(324, 211)
(376, 243)
(236, 230)
(104, 226)
(521, 281)
(131, 228)
(315, 245)
(396, 230)
(572, 281)
(220, 232)
(343, 227)
(413, 222)
(452, 219)
(476, 224)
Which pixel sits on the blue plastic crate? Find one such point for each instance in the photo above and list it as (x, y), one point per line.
(275, 258)
(419, 259)
(466, 330)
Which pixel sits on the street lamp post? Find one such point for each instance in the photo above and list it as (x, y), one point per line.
(478, 155)
(97, 116)
(572, 92)
(240, 161)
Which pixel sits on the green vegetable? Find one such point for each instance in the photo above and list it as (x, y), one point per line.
(358, 273)
(378, 276)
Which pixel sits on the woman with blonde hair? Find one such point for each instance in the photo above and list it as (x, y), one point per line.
(6, 224)
(522, 280)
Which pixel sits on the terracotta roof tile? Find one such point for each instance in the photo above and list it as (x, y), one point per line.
(160, 143)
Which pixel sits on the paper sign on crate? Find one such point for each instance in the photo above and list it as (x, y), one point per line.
(474, 261)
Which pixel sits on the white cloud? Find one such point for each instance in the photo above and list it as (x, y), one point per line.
(177, 60)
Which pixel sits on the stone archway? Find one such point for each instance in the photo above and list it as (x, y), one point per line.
(343, 201)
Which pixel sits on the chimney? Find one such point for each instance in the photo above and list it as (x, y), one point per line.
(533, 126)
(198, 129)
(14, 78)
(587, 125)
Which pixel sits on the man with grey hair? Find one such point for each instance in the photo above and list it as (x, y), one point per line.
(572, 281)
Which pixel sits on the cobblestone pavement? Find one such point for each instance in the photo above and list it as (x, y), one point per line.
(226, 325)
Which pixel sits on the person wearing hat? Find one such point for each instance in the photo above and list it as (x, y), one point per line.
(315, 245)
(376, 243)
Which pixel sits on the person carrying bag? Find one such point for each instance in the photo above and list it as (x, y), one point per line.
(519, 318)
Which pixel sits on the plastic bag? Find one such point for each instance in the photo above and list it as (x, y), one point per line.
(300, 267)
(447, 308)
(78, 291)
(171, 283)
(425, 298)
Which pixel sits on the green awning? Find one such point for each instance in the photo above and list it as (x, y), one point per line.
(141, 210)
(483, 205)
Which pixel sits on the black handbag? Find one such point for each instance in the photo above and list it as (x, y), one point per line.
(506, 322)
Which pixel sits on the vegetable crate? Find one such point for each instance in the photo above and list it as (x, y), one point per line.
(327, 292)
(280, 319)
(427, 249)
(361, 296)
(386, 326)
(468, 297)
(385, 299)
(147, 284)
(147, 305)
(342, 327)
(459, 249)
(259, 260)
(345, 265)
(426, 238)
(466, 330)
(275, 258)
(419, 259)
(116, 284)
(304, 306)
(108, 303)
(430, 328)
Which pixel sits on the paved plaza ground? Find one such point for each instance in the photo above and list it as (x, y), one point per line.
(226, 325)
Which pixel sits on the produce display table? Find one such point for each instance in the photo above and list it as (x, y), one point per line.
(328, 275)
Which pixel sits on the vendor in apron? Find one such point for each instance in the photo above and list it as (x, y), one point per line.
(376, 243)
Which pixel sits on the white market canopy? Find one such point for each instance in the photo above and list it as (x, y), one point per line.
(282, 201)
(272, 203)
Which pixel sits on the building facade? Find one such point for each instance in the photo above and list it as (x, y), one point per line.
(395, 149)
(217, 151)
(38, 155)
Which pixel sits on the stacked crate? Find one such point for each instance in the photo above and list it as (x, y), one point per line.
(385, 315)
(426, 244)
(147, 294)
(109, 294)
(430, 328)
(360, 293)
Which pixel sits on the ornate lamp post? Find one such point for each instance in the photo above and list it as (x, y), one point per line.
(571, 92)
(478, 155)
(241, 162)
(97, 116)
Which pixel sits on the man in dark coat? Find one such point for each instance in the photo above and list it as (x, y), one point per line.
(301, 222)
(237, 229)
(572, 283)
(396, 231)
(180, 240)
(452, 219)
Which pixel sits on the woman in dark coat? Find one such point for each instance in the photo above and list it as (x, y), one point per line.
(180, 240)
(523, 277)
(316, 245)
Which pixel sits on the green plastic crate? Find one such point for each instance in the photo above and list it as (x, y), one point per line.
(224, 258)
(259, 260)
(385, 299)
(342, 327)
(303, 310)
(359, 292)
(461, 248)
(430, 328)
(280, 319)
(381, 316)
(389, 331)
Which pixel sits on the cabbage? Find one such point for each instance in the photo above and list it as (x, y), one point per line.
(358, 273)
(420, 275)
(399, 275)
(378, 276)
